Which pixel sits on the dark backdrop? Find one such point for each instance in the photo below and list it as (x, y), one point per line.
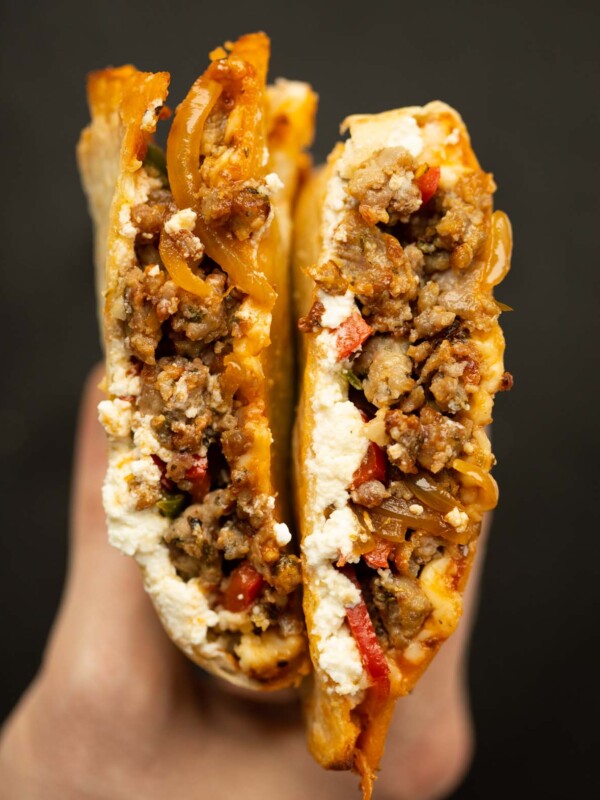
(525, 77)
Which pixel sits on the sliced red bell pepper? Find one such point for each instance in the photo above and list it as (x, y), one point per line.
(378, 557)
(371, 654)
(243, 588)
(428, 183)
(199, 477)
(351, 334)
(373, 467)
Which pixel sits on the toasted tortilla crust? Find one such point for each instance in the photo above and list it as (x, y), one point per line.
(125, 106)
(340, 735)
(110, 149)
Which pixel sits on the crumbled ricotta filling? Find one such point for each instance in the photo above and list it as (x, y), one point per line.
(149, 118)
(338, 447)
(282, 533)
(371, 133)
(458, 519)
(182, 605)
(125, 381)
(184, 220)
(339, 437)
(273, 183)
(337, 308)
(115, 416)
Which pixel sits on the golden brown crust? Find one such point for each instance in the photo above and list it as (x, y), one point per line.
(130, 93)
(291, 116)
(111, 147)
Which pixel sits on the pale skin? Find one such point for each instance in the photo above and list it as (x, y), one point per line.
(116, 712)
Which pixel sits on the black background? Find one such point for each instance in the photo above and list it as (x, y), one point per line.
(524, 75)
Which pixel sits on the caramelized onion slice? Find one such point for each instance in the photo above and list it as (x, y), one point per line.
(244, 157)
(370, 530)
(395, 510)
(180, 271)
(499, 251)
(480, 478)
(240, 260)
(242, 77)
(426, 490)
(185, 137)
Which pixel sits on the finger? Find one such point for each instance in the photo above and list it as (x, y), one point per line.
(432, 727)
(106, 616)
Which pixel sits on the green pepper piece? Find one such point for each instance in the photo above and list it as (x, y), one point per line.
(156, 162)
(171, 505)
(353, 379)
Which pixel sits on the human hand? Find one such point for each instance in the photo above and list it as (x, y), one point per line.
(116, 712)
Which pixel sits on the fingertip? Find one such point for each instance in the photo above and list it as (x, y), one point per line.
(89, 463)
(92, 394)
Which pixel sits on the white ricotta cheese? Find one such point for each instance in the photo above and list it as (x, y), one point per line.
(184, 220)
(338, 654)
(144, 438)
(376, 430)
(140, 533)
(339, 433)
(372, 133)
(115, 416)
(182, 604)
(126, 227)
(338, 307)
(282, 534)
(336, 200)
(124, 380)
(180, 391)
(149, 118)
(338, 447)
(369, 134)
(336, 538)
(415, 652)
(402, 184)
(274, 182)
(458, 519)
(453, 137)
(340, 439)
(145, 470)
(130, 530)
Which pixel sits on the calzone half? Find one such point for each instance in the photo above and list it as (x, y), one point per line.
(192, 262)
(397, 253)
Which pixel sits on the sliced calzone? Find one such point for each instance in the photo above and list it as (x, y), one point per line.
(396, 257)
(192, 260)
